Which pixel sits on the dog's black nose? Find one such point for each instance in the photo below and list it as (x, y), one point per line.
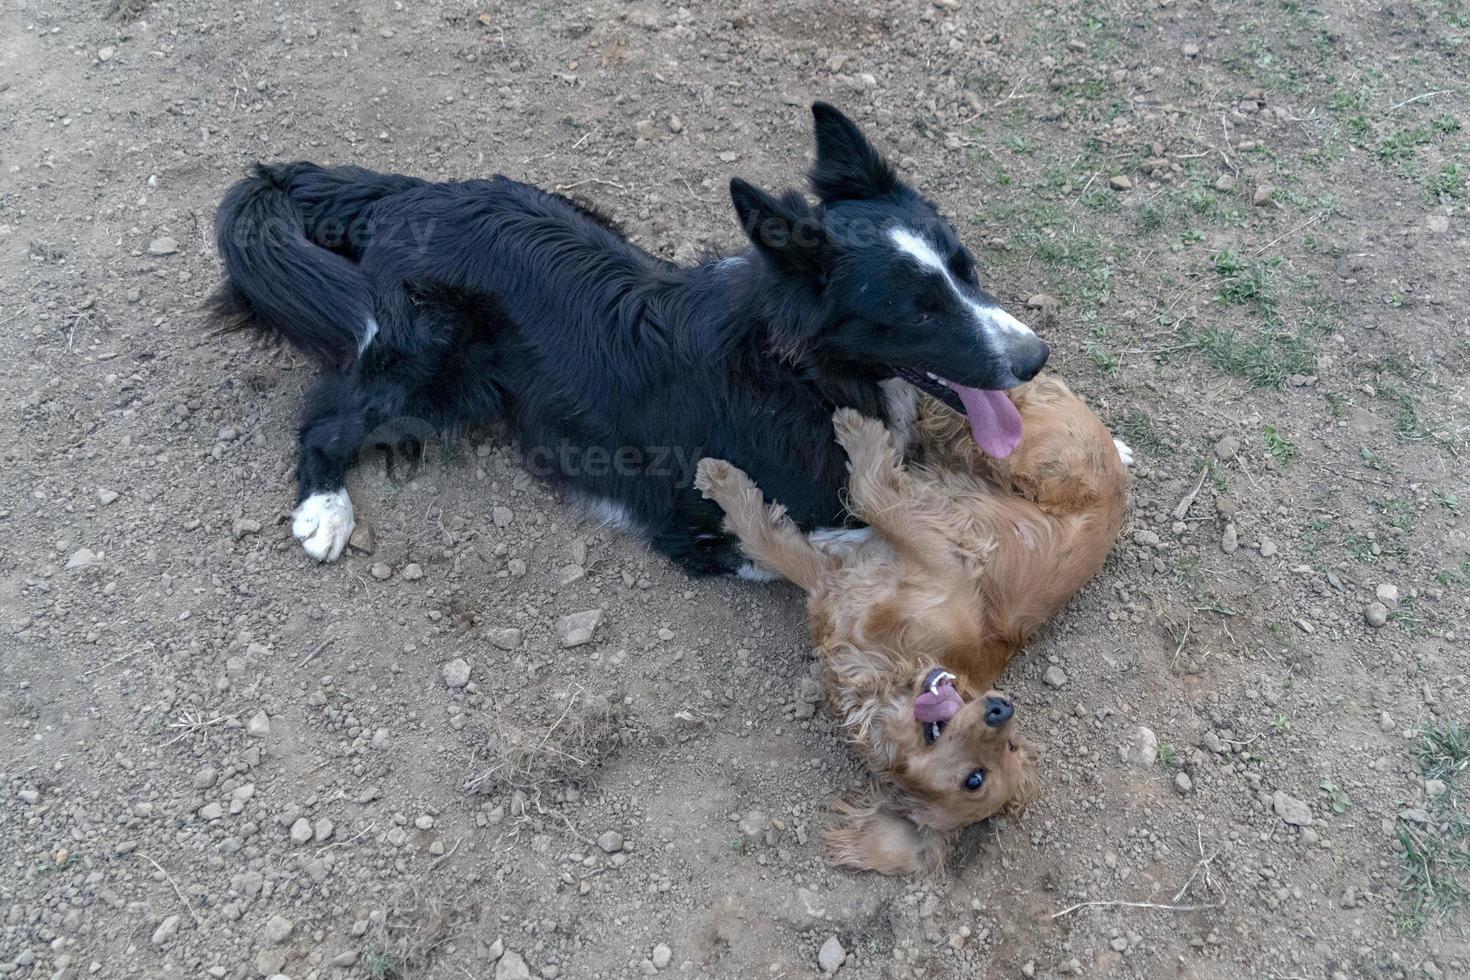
(1029, 363)
(998, 711)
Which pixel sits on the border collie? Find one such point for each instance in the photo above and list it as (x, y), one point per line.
(433, 306)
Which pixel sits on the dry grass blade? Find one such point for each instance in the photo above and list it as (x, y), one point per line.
(403, 938)
(585, 734)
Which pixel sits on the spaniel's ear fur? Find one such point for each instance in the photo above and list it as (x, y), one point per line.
(871, 834)
(1029, 791)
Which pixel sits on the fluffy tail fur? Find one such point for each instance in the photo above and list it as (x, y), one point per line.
(289, 236)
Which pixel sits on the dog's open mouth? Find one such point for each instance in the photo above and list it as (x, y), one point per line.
(994, 421)
(937, 704)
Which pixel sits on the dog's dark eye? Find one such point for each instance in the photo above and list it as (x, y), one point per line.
(975, 780)
(962, 267)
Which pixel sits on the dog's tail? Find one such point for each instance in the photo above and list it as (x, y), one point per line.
(289, 236)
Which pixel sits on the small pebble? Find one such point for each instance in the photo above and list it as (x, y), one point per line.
(456, 673)
(512, 966)
(831, 956)
(662, 956)
(167, 930)
(1055, 676)
(1375, 614)
(505, 639)
(278, 929)
(611, 842)
(1290, 809)
(578, 628)
(259, 724)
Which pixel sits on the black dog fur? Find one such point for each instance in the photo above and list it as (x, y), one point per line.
(432, 306)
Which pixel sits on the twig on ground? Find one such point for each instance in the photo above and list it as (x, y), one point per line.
(177, 890)
(446, 855)
(1183, 639)
(588, 180)
(1187, 501)
(1110, 903)
(1422, 95)
(343, 843)
(316, 650)
(1202, 865)
(93, 670)
(1285, 235)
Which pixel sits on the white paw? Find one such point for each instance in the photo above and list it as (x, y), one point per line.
(1124, 452)
(322, 523)
(752, 572)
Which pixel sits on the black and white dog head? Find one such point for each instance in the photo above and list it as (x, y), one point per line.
(875, 283)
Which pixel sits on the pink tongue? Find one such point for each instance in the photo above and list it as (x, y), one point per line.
(994, 421)
(938, 707)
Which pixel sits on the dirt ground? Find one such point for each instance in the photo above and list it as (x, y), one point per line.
(1243, 227)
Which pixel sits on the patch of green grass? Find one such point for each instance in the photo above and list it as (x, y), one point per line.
(1337, 798)
(1455, 576)
(1019, 144)
(1278, 445)
(1447, 185)
(1106, 360)
(1166, 754)
(1101, 199)
(1247, 281)
(1361, 548)
(377, 966)
(1436, 854)
(1137, 429)
(1404, 145)
(1406, 616)
(1265, 357)
(1374, 461)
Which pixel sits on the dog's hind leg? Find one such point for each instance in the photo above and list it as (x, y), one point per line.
(884, 495)
(769, 537)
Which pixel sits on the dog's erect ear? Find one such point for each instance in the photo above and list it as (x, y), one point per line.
(847, 164)
(871, 836)
(784, 229)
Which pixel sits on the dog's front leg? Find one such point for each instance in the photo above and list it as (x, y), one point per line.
(767, 535)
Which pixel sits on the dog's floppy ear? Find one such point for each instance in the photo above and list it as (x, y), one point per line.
(784, 229)
(870, 835)
(847, 164)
